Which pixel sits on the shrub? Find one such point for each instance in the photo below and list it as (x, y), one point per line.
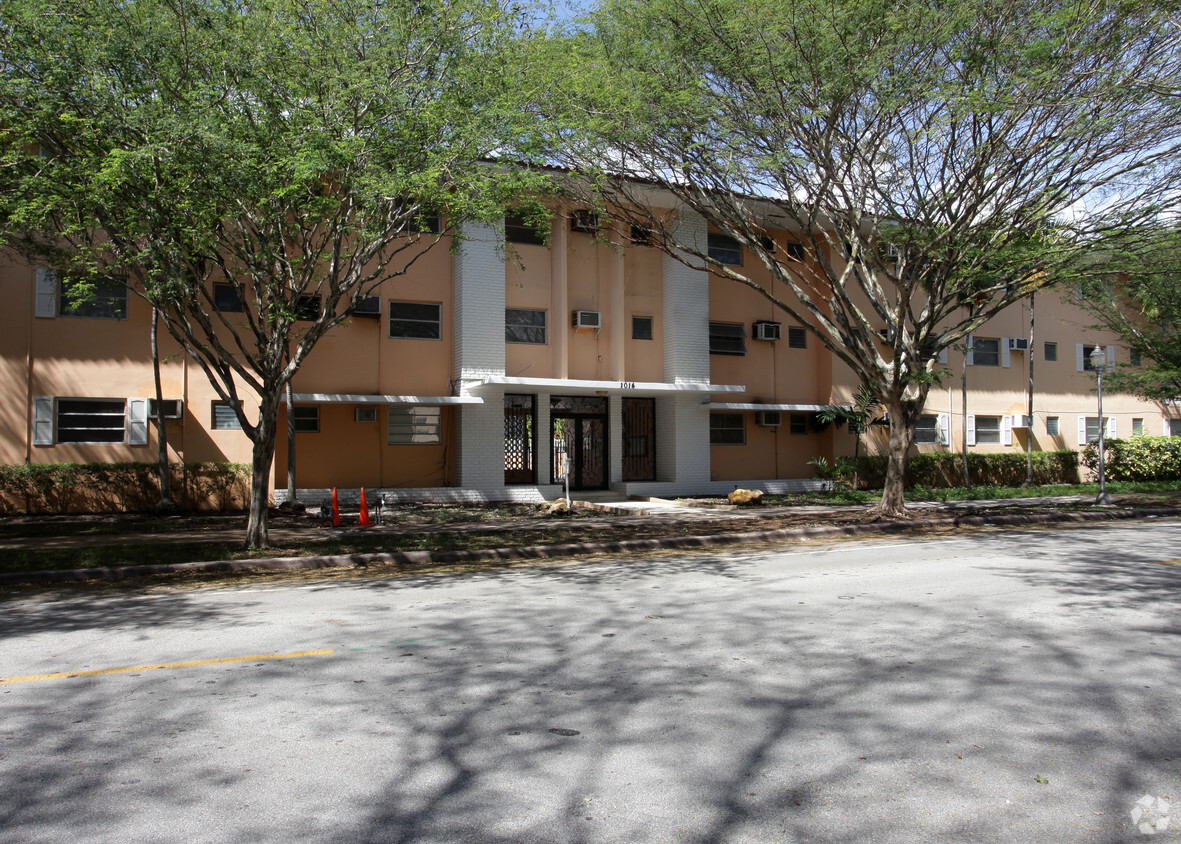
(119, 487)
(946, 469)
(1137, 459)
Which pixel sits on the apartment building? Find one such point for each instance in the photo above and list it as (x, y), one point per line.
(515, 361)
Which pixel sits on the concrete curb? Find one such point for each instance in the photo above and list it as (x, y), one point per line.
(541, 552)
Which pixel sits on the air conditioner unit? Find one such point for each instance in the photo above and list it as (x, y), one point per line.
(586, 222)
(365, 414)
(1018, 344)
(768, 418)
(172, 408)
(1020, 420)
(767, 331)
(368, 306)
(588, 319)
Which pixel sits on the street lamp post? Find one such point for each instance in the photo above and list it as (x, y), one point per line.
(1099, 363)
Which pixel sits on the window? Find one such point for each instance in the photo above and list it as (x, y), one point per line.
(794, 250)
(91, 420)
(518, 229)
(224, 418)
(988, 429)
(726, 339)
(926, 430)
(1175, 427)
(522, 325)
(425, 223)
(727, 429)
(226, 298)
(767, 243)
(1134, 357)
(415, 425)
(307, 307)
(797, 338)
(1137, 427)
(642, 236)
(1091, 432)
(1083, 357)
(641, 328)
(986, 351)
(307, 419)
(724, 249)
(108, 300)
(415, 320)
(1052, 426)
(1051, 351)
(797, 423)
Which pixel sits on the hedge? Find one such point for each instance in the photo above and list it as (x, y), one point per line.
(120, 487)
(945, 469)
(1137, 459)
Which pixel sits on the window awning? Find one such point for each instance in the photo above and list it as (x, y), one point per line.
(356, 398)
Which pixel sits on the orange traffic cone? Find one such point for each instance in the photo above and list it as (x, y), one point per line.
(364, 510)
(335, 510)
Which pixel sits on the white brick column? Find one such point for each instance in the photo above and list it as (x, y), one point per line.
(682, 421)
(686, 308)
(614, 440)
(477, 283)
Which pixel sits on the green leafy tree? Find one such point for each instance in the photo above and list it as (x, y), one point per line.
(296, 150)
(1135, 291)
(919, 153)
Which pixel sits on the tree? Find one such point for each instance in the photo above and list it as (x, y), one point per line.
(1135, 291)
(920, 153)
(297, 151)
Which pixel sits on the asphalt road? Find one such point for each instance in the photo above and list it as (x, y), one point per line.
(1011, 686)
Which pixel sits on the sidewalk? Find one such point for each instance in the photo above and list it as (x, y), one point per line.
(932, 515)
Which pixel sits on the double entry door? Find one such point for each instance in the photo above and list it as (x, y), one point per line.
(578, 434)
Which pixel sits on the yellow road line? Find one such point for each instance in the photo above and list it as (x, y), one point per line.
(134, 668)
(1165, 562)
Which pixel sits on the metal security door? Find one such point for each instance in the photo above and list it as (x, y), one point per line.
(639, 439)
(578, 434)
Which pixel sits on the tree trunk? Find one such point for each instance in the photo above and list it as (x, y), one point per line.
(902, 420)
(262, 457)
(165, 504)
(964, 420)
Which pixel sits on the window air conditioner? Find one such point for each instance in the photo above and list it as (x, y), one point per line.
(172, 408)
(768, 418)
(767, 331)
(1020, 420)
(1018, 344)
(365, 414)
(368, 306)
(588, 319)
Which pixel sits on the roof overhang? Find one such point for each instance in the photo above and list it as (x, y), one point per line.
(356, 398)
(797, 408)
(579, 387)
